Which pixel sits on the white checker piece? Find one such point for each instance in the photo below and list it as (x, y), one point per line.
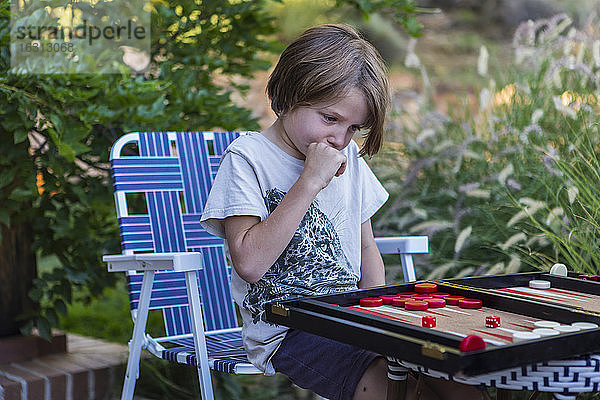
(585, 325)
(546, 324)
(559, 269)
(567, 328)
(539, 284)
(522, 336)
(545, 332)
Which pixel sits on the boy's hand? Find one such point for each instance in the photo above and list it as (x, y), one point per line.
(322, 164)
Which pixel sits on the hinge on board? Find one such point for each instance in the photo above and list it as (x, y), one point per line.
(581, 310)
(433, 350)
(278, 309)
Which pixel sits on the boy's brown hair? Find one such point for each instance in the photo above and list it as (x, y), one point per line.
(321, 66)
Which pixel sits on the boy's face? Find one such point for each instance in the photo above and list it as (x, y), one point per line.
(332, 124)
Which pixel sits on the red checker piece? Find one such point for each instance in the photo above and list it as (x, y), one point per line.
(416, 305)
(471, 343)
(421, 296)
(406, 294)
(440, 294)
(470, 303)
(371, 302)
(399, 301)
(436, 303)
(453, 300)
(588, 277)
(387, 298)
(428, 321)
(425, 287)
(492, 321)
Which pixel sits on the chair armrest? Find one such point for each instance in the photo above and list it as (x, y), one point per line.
(154, 261)
(402, 244)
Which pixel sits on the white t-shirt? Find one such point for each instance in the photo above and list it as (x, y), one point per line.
(324, 254)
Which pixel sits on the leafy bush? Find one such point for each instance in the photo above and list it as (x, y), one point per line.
(512, 183)
(57, 131)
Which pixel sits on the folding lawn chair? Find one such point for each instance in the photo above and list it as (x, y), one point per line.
(174, 265)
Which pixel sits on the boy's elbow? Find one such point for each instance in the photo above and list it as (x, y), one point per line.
(246, 271)
(248, 276)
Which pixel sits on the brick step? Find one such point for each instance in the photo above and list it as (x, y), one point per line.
(89, 369)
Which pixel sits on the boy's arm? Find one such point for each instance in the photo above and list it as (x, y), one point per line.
(255, 245)
(372, 271)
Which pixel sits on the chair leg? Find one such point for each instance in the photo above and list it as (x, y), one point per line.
(396, 390)
(137, 340)
(191, 281)
(419, 386)
(397, 380)
(534, 395)
(408, 268)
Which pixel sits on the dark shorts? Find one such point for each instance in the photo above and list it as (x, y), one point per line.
(329, 368)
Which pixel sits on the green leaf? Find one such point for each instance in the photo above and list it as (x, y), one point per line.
(27, 328)
(4, 217)
(60, 307)
(57, 124)
(20, 194)
(52, 316)
(77, 276)
(36, 294)
(66, 151)
(365, 6)
(7, 176)
(54, 136)
(413, 26)
(13, 119)
(43, 327)
(20, 135)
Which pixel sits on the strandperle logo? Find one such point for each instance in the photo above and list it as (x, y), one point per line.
(79, 37)
(84, 31)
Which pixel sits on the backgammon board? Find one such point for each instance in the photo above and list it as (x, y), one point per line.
(468, 327)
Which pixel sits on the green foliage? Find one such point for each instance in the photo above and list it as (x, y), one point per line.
(294, 16)
(494, 186)
(573, 210)
(116, 326)
(401, 12)
(57, 131)
(382, 22)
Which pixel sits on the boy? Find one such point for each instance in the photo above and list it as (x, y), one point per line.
(294, 204)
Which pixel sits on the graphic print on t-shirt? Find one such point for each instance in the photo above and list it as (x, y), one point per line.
(313, 263)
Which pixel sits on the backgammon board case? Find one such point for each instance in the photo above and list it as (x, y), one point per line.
(396, 332)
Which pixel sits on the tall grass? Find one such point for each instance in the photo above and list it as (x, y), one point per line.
(509, 182)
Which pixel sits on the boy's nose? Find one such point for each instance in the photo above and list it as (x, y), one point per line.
(336, 140)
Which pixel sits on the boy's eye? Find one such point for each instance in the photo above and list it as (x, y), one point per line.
(329, 118)
(355, 128)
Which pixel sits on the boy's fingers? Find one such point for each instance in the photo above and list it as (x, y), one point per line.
(341, 170)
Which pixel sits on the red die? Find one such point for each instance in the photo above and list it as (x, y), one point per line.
(492, 321)
(428, 321)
